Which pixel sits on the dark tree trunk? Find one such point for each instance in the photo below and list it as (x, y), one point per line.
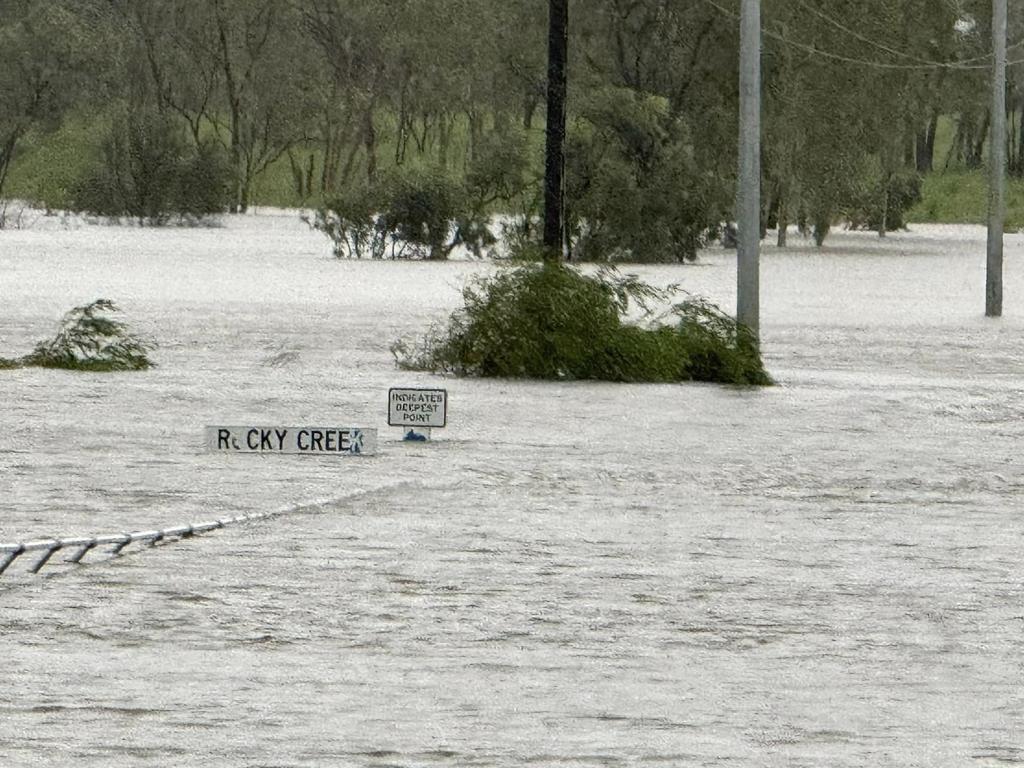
(783, 223)
(925, 145)
(1020, 143)
(444, 135)
(976, 152)
(554, 155)
(370, 145)
(529, 107)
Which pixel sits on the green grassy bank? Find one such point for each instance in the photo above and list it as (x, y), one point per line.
(48, 165)
(961, 197)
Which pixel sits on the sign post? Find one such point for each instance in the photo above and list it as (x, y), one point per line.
(417, 411)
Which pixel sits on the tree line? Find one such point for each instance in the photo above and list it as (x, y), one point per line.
(441, 104)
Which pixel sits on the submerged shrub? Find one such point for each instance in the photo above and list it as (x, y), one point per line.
(412, 214)
(88, 340)
(149, 172)
(550, 321)
(419, 213)
(423, 213)
(639, 186)
(350, 221)
(882, 204)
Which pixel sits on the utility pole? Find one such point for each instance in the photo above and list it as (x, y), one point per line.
(748, 192)
(997, 166)
(554, 152)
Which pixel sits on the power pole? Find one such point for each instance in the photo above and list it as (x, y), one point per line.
(997, 166)
(748, 193)
(554, 152)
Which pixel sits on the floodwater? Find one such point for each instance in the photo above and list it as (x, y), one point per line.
(824, 573)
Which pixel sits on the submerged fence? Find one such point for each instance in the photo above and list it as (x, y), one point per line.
(79, 547)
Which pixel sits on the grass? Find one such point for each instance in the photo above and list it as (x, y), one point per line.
(961, 197)
(48, 164)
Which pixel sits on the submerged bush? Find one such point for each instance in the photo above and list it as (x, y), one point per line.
(87, 340)
(550, 321)
(639, 186)
(350, 221)
(150, 173)
(424, 213)
(412, 214)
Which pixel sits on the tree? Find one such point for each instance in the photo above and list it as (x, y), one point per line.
(49, 57)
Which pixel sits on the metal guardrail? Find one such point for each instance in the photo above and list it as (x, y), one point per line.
(82, 546)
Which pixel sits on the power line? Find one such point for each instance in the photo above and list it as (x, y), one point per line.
(923, 64)
(865, 39)
(985, 57)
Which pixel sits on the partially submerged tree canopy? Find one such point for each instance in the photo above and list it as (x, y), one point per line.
(552, 321)
(89, 340)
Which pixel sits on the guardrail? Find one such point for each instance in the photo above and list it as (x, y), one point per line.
(82, 546)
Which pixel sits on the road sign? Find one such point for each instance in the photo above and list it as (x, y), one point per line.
(334, 441)
(418, 408)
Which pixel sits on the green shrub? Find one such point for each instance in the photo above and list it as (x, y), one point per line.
(412, 214)
(423, 213)
(891, 199)
(419, 212)
(88, 340)
(150, 173)
(550, 321)
(636, 189)
(350, 221)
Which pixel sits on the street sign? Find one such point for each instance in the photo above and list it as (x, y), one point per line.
(333, 441)
(417, 408)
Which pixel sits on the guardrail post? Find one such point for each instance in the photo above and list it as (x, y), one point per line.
(118, 547)
(83, 552)
(12, 555)
(46, 557)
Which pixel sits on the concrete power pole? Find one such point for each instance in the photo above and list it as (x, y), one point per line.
(997, 166)
(748, 193)
(554, 153)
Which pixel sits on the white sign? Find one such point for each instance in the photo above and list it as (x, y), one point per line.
(417, 407)
(345, 441)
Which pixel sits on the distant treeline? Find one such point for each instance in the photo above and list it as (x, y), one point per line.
(183, 107)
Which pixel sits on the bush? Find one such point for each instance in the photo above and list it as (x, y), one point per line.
(636, 189)
(422, 213)
(890, 199)
(419, 212)
(87, 340)
(550, 321)
(150, 173)
(350, 221)
(410, 215)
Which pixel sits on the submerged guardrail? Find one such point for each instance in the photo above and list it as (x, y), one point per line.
(83, 545)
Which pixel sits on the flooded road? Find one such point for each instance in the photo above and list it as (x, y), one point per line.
(823, 573)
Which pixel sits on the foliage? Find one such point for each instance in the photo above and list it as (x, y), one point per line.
(418, 213)
(89, 340)
(551, 321)
(411, 215)
(635, 191)
(49, 55)
(422, 213)
(367, 91)
(350, 221)
(962, 198)
(148, 172)
(884, 204)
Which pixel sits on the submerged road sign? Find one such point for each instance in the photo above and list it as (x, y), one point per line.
(335, 441)
(419, 408)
